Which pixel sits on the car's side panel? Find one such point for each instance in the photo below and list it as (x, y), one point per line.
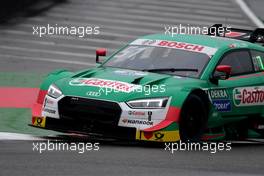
(244, 93)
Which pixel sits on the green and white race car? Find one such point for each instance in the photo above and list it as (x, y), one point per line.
(163, 88)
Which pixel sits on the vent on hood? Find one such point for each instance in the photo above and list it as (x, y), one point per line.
(85, 74)
(137, 80)
(156, 81)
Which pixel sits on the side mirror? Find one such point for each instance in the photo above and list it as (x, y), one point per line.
(100, 52)
(223, 73)
(226, 69)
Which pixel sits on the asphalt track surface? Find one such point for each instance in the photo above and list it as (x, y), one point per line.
(17, 158)
(120, 22)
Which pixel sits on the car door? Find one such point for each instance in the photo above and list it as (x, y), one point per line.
(243, 92)
(258, 62)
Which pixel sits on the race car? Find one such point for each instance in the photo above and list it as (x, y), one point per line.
(163, 88)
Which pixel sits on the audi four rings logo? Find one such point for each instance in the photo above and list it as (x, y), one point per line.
(93, 94)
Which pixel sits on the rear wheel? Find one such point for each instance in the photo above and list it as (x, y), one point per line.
(193, 119)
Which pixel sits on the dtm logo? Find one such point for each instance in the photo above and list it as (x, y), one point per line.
(249, 96)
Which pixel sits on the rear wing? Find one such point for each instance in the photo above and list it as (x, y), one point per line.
(253, 36)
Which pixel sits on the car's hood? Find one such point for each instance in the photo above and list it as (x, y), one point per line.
(122, 85)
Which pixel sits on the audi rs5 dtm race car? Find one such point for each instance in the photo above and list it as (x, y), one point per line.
(163, 88)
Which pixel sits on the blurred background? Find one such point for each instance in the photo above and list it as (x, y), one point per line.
(120, 21)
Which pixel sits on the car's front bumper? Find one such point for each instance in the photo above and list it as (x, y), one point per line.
(108, 119)
(126, 133)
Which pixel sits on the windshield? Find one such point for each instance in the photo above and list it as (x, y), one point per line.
(160, 59)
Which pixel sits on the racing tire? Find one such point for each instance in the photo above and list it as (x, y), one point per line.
(193, 119)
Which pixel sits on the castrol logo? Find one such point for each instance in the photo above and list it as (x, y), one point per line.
(249, 96)
(104, 83)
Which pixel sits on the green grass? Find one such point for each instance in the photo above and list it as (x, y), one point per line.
(11, 79)
(16, 120)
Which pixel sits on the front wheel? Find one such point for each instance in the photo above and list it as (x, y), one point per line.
(193, 119)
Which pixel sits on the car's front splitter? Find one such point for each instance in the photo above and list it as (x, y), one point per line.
(169, 134)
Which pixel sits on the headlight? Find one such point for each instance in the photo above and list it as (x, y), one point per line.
(148, 103)
(54, 91)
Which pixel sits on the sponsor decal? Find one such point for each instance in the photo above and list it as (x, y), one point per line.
(129, 73)
(220, 99)
(181, 45)
(222, 105)
(104, 83)
(50, 110)
(176, 45)
(218, 94)
(149, 42)
(39, 121)
(149, 115)
(137, 122)
(161, 136)
(158, 135)
(137, 113)
(248, 96)
(124, 120)
(155, 135)
(93, 94)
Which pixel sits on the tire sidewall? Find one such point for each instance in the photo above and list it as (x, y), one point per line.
(193, 108)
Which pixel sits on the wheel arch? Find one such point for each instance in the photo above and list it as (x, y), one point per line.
(204, 96)
(205, 102)
(54, 76)
(48, 80)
